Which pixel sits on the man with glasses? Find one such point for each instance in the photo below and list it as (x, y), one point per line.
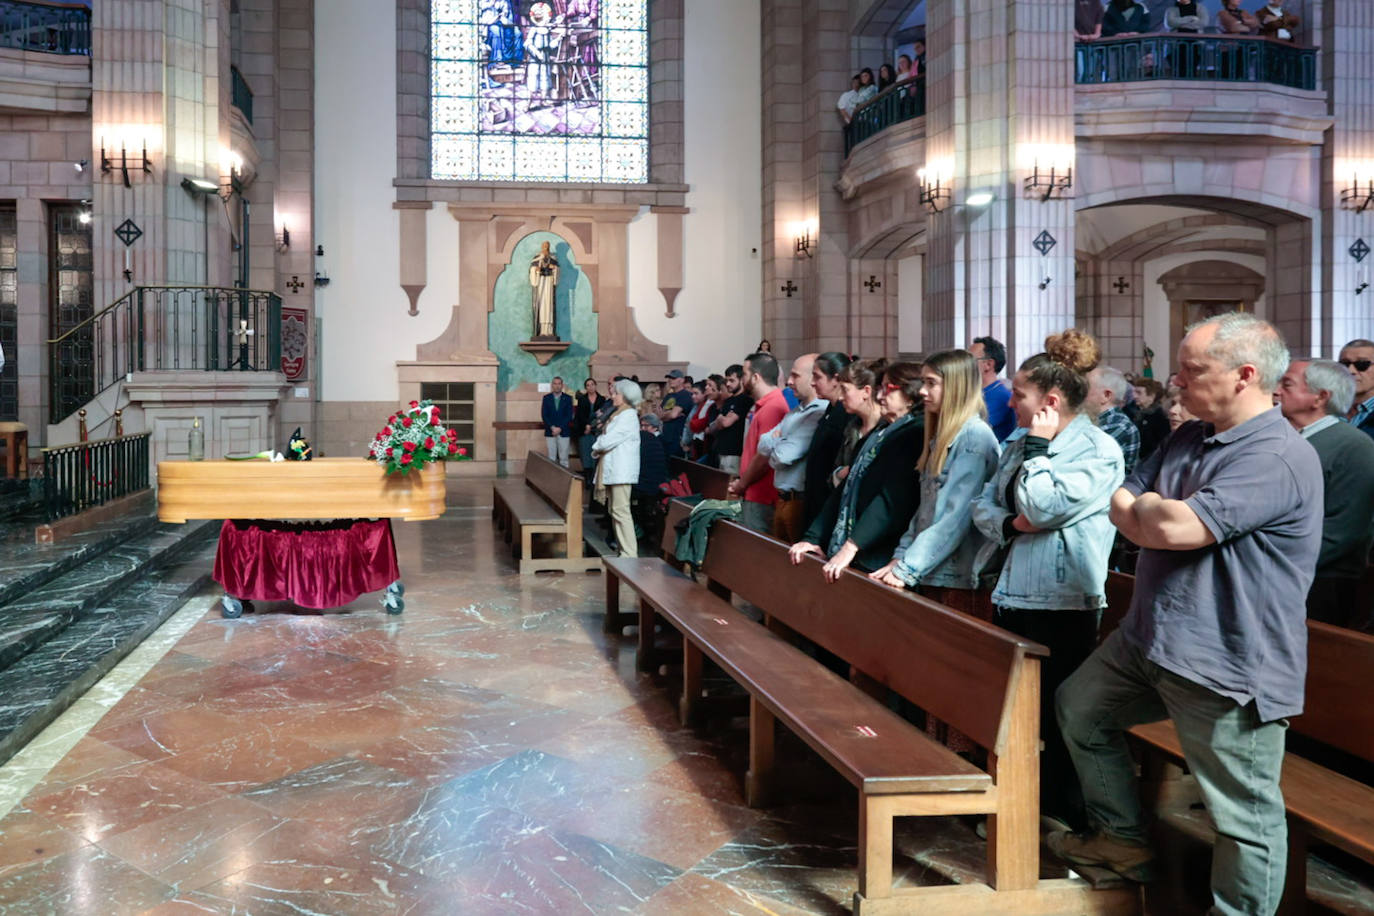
(1358, 359)
(992, 356)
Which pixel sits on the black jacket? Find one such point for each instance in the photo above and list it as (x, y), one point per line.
(1153, 424)
(583, 412)
(889, 493)
(653, 463)
(820, 459)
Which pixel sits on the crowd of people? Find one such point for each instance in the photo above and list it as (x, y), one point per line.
(865, 85)
(1245, 486)
(1095, 19)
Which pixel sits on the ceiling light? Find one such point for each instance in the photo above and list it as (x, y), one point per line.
(979, 199)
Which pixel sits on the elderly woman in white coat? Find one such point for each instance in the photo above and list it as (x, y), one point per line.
(618, 471)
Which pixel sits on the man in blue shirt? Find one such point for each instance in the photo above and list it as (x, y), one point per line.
(1228, 513)
(556, 412)
(992, 358)
(1358, 357)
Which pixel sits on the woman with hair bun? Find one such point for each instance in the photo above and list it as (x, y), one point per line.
(1046, 508)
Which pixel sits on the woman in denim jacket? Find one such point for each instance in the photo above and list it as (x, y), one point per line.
(937, 552)
(1047, 506)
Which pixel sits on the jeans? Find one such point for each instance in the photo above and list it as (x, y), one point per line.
(584, 451)
(557, 449)
(757, 517)
(1071, 636)
(1235, 758)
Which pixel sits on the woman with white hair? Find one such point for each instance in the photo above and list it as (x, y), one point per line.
(618, 470)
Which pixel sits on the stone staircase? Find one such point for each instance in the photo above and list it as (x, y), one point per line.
(70, 611)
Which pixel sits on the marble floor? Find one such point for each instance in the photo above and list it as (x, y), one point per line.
(487, 751)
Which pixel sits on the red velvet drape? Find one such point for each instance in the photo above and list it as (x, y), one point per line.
(314, 564)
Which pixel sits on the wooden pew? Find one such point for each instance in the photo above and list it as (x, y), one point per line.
(707, 481)
(1323, 806)
(546, 500)
(978, 678)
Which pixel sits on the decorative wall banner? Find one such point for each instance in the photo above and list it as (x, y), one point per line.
(295, 342)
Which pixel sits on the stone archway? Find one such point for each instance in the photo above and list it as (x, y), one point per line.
(1201, 289)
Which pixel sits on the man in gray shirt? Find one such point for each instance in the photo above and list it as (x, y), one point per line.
(787, 446)
(1228, 514)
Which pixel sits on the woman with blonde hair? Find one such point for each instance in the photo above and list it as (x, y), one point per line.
(937, 552)
(1046, 507)
(653, 396)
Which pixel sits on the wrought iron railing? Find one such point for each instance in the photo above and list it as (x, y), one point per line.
(164, 328)
(56, 28)
(1214, 58)
(902, 102)
(242, 95)
(89, 474)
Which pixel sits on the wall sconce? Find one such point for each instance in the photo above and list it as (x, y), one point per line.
(1050, 167)
(284, 239)
(1357, 196)
(124, 160)
(805, 239)
(936, 185)
(1055, 182)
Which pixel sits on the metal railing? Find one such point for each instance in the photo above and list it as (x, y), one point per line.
(895, 104)
(55, 28)
(88, 474)
(242, 95)
(164, 328)
(1213, 58)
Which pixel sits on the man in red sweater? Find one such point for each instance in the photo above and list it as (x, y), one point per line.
(755, 481)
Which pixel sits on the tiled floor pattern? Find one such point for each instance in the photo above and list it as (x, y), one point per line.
(488, 751)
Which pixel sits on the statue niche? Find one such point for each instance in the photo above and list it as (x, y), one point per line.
(544, 343)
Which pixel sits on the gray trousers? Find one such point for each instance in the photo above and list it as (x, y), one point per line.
(757, 517)
(1235, 758)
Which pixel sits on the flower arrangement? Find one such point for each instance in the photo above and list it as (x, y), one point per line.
(413, 437)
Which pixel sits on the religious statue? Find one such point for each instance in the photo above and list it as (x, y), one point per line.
(543, 282)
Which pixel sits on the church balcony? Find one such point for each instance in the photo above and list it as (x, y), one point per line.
(1195, 58)
(45, 63)
(894, 105)
(51, 28)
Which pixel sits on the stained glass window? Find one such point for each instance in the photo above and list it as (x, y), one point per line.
(549, 90)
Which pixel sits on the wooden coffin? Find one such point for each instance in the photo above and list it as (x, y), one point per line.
(322, 488)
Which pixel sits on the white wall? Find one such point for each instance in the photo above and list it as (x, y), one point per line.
(365, 327)
(910, 303)
(1156, 304)
(719, 315)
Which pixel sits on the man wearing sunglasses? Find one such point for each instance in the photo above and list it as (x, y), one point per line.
(1358, 359)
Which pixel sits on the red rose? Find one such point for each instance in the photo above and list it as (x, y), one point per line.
(408, 446)
(392, 419)
(390, 452)
(386, 430)
(452, 434)
(407, 422)
(414, 403)
(462, 451)
(452, 449)
(405, 459)
(429, 442)
(436, 411)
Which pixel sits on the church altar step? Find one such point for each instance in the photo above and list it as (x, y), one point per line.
(19, 497)
(26, 565)
(59, 639)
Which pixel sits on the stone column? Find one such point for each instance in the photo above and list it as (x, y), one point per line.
(825, 284)
(783, 92)
(1347, 73)
(999, 100)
